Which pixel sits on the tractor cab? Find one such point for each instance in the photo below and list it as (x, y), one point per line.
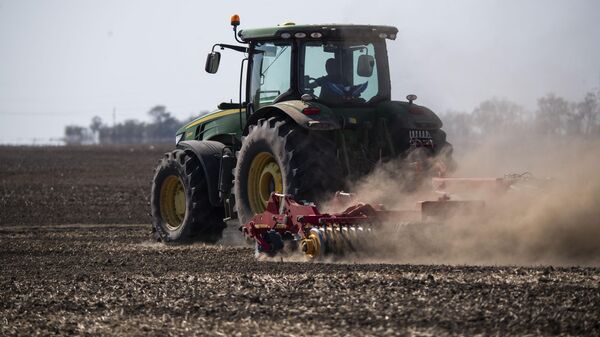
(336, 65)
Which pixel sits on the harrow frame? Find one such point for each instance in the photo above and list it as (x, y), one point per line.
(320, 233)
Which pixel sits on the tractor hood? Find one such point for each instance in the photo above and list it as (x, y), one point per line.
(409, 115)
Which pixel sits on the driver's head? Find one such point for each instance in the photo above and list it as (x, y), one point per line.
(332, 67)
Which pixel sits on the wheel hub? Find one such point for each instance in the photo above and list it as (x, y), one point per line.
(264, 178)
(172, 202)
(311, 245)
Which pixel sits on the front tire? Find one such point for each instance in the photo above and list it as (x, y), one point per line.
(181, 211)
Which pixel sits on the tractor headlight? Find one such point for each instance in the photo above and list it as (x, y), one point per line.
(178, 138)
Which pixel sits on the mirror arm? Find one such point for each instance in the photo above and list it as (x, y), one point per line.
(229, 46)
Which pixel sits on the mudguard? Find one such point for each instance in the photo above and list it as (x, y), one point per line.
(323, 120)
(208, 153)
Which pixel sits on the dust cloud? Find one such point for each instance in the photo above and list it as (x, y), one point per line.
(537, 222)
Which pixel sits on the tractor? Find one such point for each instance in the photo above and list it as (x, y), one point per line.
(314, 113)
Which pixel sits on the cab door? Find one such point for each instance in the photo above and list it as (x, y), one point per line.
(270, 73)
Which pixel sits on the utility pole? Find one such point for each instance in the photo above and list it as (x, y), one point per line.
(114, 116)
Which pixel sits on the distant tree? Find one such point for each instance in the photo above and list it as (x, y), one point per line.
(458, 124)
(96, 124)
(129, 132)
(157, 113)
(163, 126)
(552, 115)
(498, 115)
(95, 127)
(589, 112)
(105, 135)
(76, 135)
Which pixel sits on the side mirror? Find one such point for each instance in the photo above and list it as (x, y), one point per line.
(366, 63)
(212, 62)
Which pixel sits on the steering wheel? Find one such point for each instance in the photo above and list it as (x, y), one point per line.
(310, 83)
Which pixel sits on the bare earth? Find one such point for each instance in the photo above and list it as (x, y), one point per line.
(100, 278)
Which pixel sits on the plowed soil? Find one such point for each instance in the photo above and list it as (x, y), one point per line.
(76, 258)
(86, 184)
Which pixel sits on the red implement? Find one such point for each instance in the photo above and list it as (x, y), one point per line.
(320, 234)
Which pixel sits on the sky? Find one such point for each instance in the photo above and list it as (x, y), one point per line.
(65, 61)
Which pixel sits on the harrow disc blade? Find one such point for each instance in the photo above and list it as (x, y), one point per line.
(336, 241)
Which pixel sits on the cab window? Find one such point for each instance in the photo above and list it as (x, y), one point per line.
(339, 71)
(271, 72)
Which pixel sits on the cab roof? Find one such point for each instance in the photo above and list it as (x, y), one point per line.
(336, 31)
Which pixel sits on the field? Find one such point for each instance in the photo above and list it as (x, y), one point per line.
(77, 258)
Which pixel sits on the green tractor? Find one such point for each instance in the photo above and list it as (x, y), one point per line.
(314, 113)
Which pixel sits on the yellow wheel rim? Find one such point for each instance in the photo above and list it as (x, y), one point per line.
(264, 177)
(172, 202)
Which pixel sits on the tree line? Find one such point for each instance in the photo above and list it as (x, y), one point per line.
(161, 129)
(554, 116)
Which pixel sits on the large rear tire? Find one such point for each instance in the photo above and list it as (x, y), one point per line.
(279, 156)
(181, 211)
